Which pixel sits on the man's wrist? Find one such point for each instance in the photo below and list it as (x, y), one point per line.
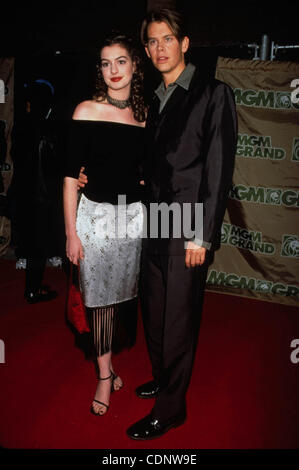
(199, 243)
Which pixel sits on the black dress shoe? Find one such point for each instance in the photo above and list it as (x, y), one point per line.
(149, 390)
(42, 295)
(151, 428)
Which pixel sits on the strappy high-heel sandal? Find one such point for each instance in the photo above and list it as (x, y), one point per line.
(114, 377)
(100, 402)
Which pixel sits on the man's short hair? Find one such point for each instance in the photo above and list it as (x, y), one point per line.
(171, 17)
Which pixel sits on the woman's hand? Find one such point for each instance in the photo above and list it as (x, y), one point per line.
(82, 180)
(74, 249)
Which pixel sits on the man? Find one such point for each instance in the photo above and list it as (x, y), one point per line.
(192, 132)
(36, 190)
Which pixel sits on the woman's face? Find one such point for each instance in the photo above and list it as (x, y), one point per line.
(117, 67)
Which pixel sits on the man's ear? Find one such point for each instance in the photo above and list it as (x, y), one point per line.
(185, 44)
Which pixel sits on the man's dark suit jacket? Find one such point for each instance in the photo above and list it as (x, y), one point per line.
(190, 155)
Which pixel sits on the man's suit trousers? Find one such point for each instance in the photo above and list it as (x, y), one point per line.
(171, 297)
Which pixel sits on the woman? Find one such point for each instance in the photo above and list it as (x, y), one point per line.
(107, 139)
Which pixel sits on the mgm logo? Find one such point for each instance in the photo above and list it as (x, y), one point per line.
(290, 246)
(295, 150)
(247, 239)
(265, 99)
(262, 286)
(258, 147)
(260, 195)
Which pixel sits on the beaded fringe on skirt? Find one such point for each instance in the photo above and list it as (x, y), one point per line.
(113, 327)
(103, 328)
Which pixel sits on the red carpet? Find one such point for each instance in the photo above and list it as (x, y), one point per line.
(244, 392)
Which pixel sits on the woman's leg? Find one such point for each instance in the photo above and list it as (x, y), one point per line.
(103, 323)
(104, 384)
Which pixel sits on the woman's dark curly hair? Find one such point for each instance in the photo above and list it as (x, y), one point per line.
(137, 92)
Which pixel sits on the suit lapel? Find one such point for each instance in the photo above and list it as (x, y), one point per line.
(175, 98)
(197, 84)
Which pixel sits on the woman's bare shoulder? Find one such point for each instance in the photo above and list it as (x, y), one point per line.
(87, 110)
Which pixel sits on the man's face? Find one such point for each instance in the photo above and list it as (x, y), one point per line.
(164, 49)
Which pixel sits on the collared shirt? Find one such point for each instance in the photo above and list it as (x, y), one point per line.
(183, 80)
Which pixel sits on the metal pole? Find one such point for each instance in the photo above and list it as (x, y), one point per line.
(265, 47)
(256, 48)
(273, 51)
(276, 47)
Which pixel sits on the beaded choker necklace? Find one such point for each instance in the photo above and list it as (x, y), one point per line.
(121, 104)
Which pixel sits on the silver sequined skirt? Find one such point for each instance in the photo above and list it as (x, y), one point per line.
(111, 236)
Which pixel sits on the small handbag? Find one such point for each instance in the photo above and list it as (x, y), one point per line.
(76, 311)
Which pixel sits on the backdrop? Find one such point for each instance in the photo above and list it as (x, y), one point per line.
(6, 125)
(259, 257)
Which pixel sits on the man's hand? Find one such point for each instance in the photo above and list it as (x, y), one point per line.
(82, 180)
(195, 255)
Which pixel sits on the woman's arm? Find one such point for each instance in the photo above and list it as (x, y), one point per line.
(74, 250)
(78, 140)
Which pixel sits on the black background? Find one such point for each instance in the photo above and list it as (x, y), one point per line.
(33, 33)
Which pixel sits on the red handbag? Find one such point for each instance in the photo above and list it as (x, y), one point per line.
(76, 311)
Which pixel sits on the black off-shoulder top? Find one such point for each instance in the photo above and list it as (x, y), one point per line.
(112, 155)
